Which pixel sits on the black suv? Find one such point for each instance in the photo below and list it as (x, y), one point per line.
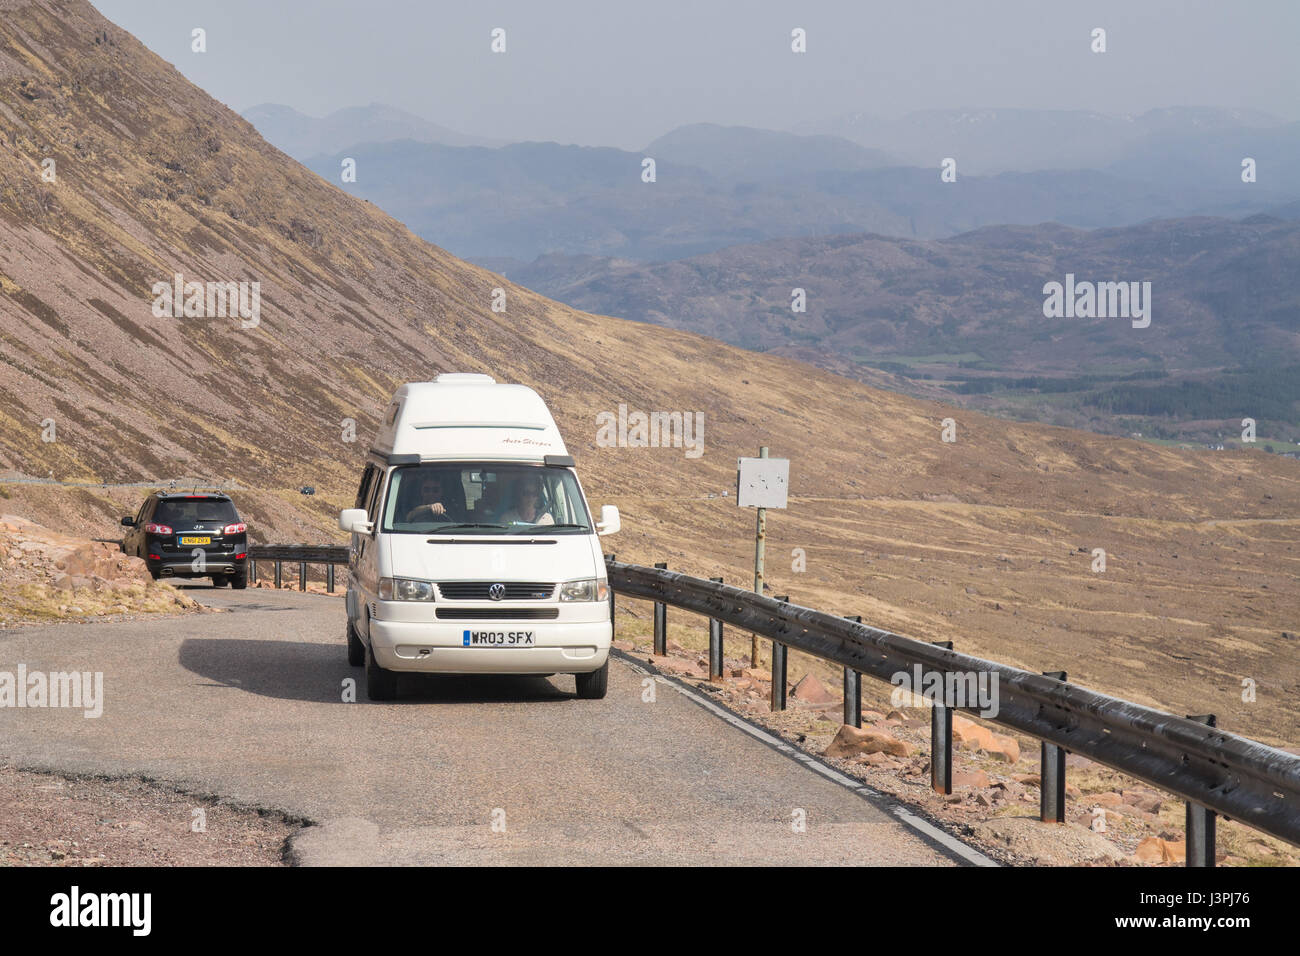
(196, 535)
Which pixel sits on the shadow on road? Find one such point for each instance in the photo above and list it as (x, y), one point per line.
(292, 670)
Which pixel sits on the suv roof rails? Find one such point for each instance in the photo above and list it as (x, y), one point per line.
(182, 493)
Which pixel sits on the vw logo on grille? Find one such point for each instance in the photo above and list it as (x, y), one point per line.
(497, 591)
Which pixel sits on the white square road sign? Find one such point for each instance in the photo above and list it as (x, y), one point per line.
(762, 482)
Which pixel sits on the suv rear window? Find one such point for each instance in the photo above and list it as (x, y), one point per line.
(172, 511)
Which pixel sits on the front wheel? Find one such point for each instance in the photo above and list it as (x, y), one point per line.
(380, 684)
(594, 685)
(356, 650)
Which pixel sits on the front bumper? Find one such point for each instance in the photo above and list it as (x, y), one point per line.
(562, 647)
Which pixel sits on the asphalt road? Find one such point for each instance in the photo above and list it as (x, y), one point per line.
(248, 704)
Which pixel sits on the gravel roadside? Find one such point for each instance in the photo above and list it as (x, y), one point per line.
(56, 820)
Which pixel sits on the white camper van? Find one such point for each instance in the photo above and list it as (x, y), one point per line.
(473, 549)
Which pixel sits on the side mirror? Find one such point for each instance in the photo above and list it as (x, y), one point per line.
(355, 521)
(609, 521)
(128, 522)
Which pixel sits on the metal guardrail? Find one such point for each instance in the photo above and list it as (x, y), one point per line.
(329, 555)
(1212, 770)
(310, 553)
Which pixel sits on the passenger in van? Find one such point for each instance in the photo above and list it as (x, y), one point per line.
(437, 503)
(529, 507)
(488, 506)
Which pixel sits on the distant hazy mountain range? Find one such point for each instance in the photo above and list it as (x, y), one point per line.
(986, 141)
(301, 135)
(718, 186)
(744, 154)
(530, 199)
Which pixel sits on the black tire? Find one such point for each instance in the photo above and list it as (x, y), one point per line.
(594, 685)
(239, 580)
(356, 650)
(220, 580)
(155, 575)
(380, 684)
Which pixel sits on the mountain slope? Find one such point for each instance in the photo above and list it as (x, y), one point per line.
(154, 178)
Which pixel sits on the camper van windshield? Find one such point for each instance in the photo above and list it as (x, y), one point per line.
(484, 499)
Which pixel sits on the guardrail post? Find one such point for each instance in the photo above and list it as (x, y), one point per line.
(279, 570)
(778, 669)
(252, 571)
(329, 577)
(778, 676)
(1200, 820)
(941, 742)
(1051, 775)
(715, 644)
(853, 688)
(661, 620)
(302, 575)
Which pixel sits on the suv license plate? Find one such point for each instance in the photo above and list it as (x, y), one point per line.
(195, 540)
(498, 639)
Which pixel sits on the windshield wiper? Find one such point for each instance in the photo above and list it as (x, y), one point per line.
(543, 528)
(461, 527)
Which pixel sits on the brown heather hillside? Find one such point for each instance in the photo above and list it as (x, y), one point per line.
(985, 541)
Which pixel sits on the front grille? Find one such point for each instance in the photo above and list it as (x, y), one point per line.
(498, 613)
(478, 590)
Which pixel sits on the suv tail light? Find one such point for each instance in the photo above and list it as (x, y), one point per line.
(152, 528)
(238, 528)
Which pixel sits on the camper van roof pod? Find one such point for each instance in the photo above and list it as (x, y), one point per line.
(468, 417)
(464, 378)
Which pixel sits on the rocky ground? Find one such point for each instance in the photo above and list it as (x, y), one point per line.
(1111, 820)
(54, 820)
(49, 576)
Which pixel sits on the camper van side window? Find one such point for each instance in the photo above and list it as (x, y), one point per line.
(363, 493)
(372, 506)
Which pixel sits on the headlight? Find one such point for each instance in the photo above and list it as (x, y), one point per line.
(404, 589)
(588, 589)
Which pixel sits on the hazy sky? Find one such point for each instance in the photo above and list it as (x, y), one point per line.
(617, 73)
